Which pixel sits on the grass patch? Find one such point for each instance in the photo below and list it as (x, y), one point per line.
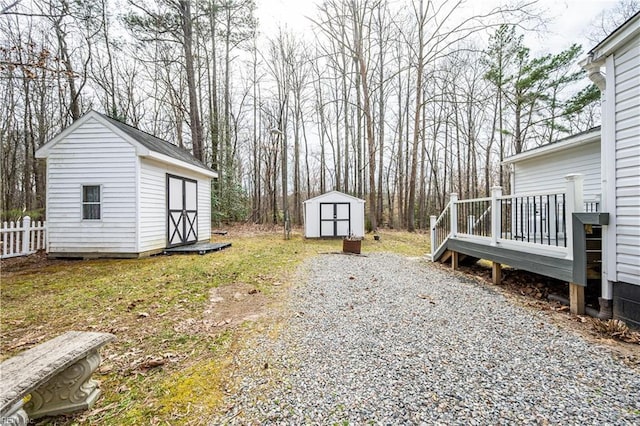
(196, 391)
(163, 365)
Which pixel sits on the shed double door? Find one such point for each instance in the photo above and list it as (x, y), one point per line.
(335, 219)
(182, 209)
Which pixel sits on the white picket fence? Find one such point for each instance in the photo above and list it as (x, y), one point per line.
(22, 239)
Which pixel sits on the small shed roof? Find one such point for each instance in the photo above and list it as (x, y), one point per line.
(589, 136)
(334, 193)
(152, 146)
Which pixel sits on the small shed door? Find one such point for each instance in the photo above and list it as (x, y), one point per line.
(182, 209)
(335, 219)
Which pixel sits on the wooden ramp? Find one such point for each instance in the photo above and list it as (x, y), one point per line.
(199, 248)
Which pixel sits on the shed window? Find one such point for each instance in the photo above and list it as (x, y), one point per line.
(91, 202)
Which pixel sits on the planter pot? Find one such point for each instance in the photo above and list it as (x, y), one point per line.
(351, 246)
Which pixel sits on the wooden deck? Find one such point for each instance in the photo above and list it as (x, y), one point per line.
(545, 264)
(541, 233)
(199, 248)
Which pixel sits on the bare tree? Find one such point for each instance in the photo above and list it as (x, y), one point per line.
(610, 19)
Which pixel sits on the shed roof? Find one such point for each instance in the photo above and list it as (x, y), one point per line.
(588, 136)
(132, 134)
(156, 144)
(334, 193)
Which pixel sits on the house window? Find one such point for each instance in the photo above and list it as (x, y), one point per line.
(91, 202)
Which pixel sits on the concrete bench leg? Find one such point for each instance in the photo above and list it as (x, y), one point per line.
(71, 390)
(16, 416)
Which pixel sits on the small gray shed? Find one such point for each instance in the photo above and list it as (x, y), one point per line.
(333, 214)
(115, 191)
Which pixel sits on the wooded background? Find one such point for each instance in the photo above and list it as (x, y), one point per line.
(399, 103)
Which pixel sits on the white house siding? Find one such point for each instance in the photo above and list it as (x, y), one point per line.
(91, 155)
(153, 203)
(627, 169)
(546, 173)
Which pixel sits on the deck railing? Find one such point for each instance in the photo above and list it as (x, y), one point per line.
(534, 218)
(21, 239)
(474, 217)
(592, 206)
(440, 229)
(530, 221)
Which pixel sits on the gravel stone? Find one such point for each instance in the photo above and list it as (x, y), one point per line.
(385, 339)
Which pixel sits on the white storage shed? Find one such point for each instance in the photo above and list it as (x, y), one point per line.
(115, 191)
(333, 214)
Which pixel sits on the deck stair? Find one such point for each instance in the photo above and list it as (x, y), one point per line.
(463, 259)
(594, 260)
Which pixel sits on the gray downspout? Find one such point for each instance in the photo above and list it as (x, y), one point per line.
(594, 71)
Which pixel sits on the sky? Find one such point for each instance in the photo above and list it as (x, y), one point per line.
(570, 20)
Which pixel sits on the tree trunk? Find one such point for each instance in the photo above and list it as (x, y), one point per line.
(194, 113)
(416, 128)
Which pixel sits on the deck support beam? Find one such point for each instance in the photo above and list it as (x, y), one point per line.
(576, 299)
(550, 266)
(455, 258)
(496, 273)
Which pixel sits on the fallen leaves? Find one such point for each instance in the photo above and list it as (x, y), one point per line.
(105, 368)
(26, 342)
(97, 411)
(427, 297)
(223, 322)
(532, 291)
(133, 304)
(150, 362)
(616, 329)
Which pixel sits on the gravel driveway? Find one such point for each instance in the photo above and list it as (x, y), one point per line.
(384, 339)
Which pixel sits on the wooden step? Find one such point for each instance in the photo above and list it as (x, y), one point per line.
(594, 244)
(593, 231)
(594, 256)
(445, 256)
(463, 259)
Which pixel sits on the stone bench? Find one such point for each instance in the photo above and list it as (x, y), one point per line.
(57, 375)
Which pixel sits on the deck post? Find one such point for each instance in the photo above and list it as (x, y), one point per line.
(576, 299)
(454, 260)
(453, 198)
(496, 273)
(573, 203)
(432, 227)
(496, 193)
